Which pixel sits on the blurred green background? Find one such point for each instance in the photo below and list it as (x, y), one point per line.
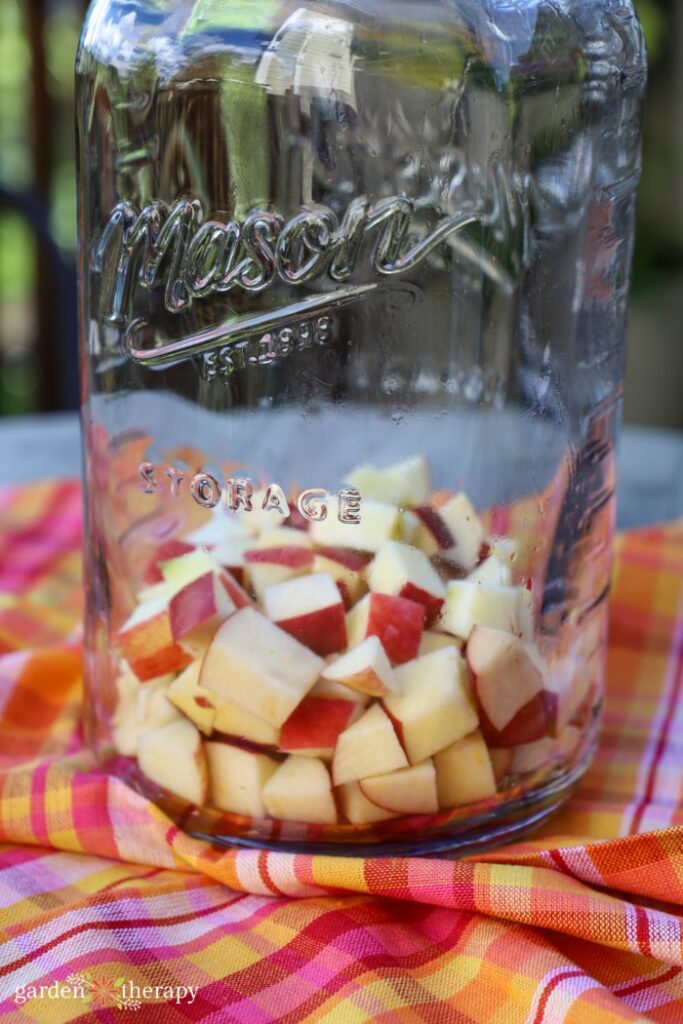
(37, 196)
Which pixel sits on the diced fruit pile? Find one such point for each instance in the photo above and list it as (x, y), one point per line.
(340, 673)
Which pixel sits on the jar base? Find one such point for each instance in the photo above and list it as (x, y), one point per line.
(511, 821)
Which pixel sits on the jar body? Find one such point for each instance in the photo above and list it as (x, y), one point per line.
(353, 293)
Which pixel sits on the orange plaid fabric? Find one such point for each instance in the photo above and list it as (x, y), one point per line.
(102, 895)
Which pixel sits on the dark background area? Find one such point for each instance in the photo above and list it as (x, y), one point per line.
(38, 353)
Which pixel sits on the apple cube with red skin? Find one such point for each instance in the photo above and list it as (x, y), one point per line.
(270, 565)
(315, 725)
(406, 571)
(368, 747)
(396, 621)
(508, 685)
(146, 641)
(435, 708)
(229, 555)
(310, 609)
(347, 569)
(405, 483)
(301, 790)
(204, 602)
(169, 549)
(356, 807)
(365, 668)
(173, 757)
(379, 522)
(464, 773)
(409, 790)
(258, 667)
(455, 530)
(237, 778)
(236, 723)
(193, 700)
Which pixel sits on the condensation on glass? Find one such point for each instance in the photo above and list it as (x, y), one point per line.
(353, 299)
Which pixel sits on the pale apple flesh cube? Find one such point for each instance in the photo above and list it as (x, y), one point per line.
(140, 707)
(237, 778)
(470, 604)
(364, 668)
(466, 529)
(265, 568)
(464, 773)
(259, 519)
(379, 523)
(230, 720)
(491, 572)
(258, 667)
(195, 702)
(404, 483)
(409, 790)
(311, 609)
(368, 747)
(173, 757)
(300, 789)
(505, 549)
(356, 807)
(405, 571)
(435, 641)
(435, 708)
(201, 603)
(283, 537)
(507, 681)
(530, 757)
(187, 568)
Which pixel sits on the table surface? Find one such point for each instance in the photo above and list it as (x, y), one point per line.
(650, 463)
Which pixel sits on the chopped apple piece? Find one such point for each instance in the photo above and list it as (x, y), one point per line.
(365, 668)
(230, 555)
(473, 604)
(230, 720)
(173, 758)
(368, 747)
(260, 519)
(505, 549)
(237, 779)
(508, 685)
(397, 622)
(356, 807)
(531, 757)
(492, 572)
(301, 790)
(310, 609)
(435, 708)
(347, 569)
(406, 483)
(454, 529)
(169, 549)
(328, 688)
(284, 537)
(405, 571)
(379, 522)
(259, 667)
(139, 708)
(193, 700)
(501, 760)
(464, 773)
(271, 565)
(315, 725)
(221, 528)
(187, 568)
(147, 643)
(202, 603)
(406, 791)
(435, 641)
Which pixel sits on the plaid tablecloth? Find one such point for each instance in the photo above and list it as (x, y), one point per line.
(105, 904)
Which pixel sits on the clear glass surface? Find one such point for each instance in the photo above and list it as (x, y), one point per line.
(319, 237)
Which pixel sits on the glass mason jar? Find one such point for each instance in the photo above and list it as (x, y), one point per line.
(353, 289)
